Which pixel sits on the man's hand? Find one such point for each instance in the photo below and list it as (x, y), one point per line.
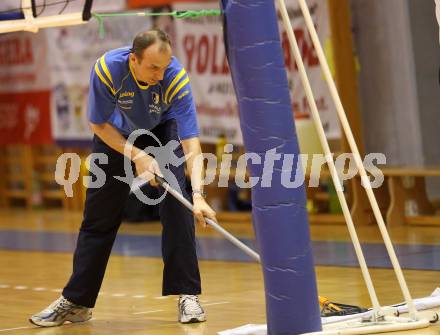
(147, 168)
(202, 209)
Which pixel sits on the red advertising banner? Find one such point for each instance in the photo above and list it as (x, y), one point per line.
(25, 118)
(23, 62)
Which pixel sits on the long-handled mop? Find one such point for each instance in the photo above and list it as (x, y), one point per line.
(327, 308)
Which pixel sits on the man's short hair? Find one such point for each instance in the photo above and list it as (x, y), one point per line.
(145, 39)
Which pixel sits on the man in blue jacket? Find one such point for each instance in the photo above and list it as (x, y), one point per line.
(142, 87)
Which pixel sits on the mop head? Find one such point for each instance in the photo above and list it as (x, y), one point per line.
(422, 304)
(329, 308)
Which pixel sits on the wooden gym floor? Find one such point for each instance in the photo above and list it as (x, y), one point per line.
(35, 263)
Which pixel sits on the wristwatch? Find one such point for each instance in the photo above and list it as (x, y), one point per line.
(200, 192)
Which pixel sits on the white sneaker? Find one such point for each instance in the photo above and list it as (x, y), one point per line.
(60, 311)
(190, 310)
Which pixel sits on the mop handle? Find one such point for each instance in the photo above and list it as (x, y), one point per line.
(231, 238)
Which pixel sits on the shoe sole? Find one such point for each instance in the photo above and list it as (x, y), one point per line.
(45, 324)
(55, 324)
(193, 320)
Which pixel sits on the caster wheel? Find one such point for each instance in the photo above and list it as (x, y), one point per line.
(435, 319)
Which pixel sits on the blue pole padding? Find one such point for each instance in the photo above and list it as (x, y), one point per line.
(280, 219)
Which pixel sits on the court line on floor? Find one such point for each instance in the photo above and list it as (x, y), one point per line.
(217, 303)
(18, 328)
(20, 287)
(149, 312)
(119, 295)
(327, 253)
(115, 295)
(58, 290)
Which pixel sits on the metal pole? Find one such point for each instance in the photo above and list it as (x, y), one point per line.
(357, 158)
(231, 238)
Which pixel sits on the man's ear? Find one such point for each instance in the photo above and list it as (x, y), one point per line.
(134, 59)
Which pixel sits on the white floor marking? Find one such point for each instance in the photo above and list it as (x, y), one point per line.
(118, 295)
(148, 312)
(139, 296)
(217, 303)
(115, 295)
(9, 329)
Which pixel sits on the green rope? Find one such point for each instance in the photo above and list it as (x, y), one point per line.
(181, 14)
(194, 13)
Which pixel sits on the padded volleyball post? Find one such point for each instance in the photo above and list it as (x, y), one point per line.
(279, 214)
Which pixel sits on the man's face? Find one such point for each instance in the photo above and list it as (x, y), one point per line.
(151, 67)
